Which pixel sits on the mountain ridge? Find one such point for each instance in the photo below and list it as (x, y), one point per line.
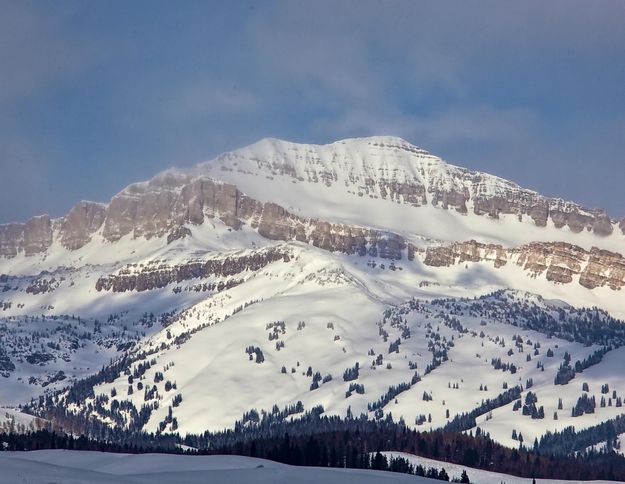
(389, 168)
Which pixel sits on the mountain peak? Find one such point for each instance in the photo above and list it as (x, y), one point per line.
(352, 158)
(375, 140)
(356, 144)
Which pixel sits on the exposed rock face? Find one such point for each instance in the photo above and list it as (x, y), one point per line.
(178, 233)
(460, 252)
(604, 268)
(152, 209)
(37, 235)
(33, 237)
(11, 239)
(164, 205)
(602, 224)
(559, 261)
(278, 224)
(160, 206)
(154, 276)
(82, 221)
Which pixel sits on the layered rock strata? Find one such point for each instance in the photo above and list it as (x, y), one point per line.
(558, 261)
(155, 276)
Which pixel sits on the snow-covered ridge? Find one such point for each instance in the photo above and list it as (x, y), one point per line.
(379, 182)
(355, 159)
(365, 162)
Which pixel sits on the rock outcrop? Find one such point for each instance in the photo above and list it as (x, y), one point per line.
(37, 235)
(82, 221)
(33, 237)
(278, 224)
(152, 209)
(560, 262)
(11, 239)
(156, 275)
(178, 233)
(471, 251)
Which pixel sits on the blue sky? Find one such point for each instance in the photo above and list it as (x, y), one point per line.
(95, 95)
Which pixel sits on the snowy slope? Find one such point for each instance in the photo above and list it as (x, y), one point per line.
(477, 475)
(331, 314)
(71, 467)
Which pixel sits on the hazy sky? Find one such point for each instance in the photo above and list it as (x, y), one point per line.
(95, 95)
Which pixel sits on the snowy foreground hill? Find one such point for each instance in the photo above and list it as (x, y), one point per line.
(70, 467)
(365, 276)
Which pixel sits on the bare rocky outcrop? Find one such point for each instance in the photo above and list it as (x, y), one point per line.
(205, 198)
(604, 268)
(471, 251)
(11, 239)
(541, 209)
(158, 209)
(278, 224)
(155, 276)
(602, 224)
(152, 209)
(178, 233)
(558, 261)
(33, 237)
(82, 221)
(37, 235)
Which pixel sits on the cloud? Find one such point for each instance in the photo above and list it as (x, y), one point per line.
(350, 50)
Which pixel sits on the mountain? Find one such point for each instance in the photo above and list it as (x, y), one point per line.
(364, 276)
(337, 182)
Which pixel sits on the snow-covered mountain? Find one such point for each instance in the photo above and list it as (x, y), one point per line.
(380, 182)
(366, 276)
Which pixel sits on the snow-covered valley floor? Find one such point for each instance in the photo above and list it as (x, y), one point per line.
(81, 467)
(75, 467)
